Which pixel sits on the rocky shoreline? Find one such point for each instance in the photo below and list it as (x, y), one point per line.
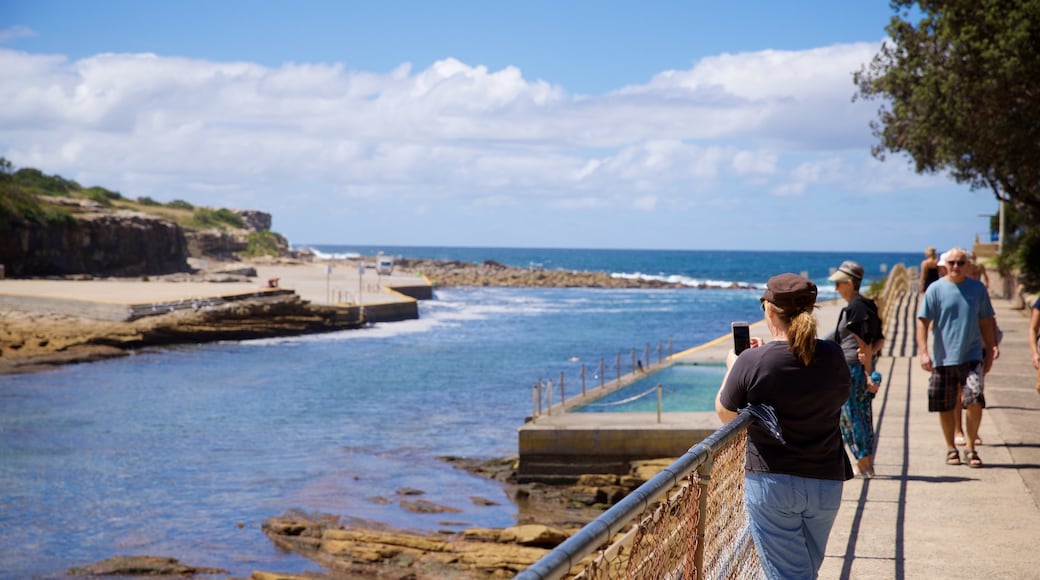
(345, 547)
(33, 341)
(350, 548)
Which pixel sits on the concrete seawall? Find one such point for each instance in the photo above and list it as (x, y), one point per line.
(129, 299)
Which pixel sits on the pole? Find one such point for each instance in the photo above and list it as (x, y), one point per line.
(658, 404)
(360, 288)
(1000, 234)
(563, 397)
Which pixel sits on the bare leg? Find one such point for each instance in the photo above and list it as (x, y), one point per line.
(946, 421)
(958, 429)
(974, 420)
(865, 464)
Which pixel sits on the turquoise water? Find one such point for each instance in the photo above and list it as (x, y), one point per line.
(684, 388)
(183, 452)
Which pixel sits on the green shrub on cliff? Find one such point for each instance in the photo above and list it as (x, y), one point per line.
(19, 206)
(264, 243)
(101, 195)
(179, 204)
(35, 181)
(205, 217)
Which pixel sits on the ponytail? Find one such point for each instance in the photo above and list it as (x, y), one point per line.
(801, 332)
(801, 335)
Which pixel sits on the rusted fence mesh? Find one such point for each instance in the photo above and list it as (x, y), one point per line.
(665, 542)
(697, 528)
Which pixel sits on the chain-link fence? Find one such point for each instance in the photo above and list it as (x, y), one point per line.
(687, 522)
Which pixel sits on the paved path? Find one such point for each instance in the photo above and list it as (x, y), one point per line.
(920, 518)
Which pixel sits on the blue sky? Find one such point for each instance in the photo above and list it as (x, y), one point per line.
(673, 125)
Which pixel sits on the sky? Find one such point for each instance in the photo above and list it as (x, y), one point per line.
(579, 124)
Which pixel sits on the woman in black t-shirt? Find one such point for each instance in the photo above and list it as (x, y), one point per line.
(792, 488)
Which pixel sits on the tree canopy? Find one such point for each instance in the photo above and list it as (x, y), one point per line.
(961, 93)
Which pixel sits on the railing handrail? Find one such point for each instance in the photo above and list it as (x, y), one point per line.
(565, 556)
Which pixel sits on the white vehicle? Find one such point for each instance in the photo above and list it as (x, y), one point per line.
(384, 265)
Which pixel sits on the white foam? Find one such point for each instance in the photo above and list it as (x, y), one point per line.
(686, 280)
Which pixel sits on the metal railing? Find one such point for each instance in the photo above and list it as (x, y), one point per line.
(688, 521)
(545, 391)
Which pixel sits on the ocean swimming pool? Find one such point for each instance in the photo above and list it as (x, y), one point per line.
(685, 388)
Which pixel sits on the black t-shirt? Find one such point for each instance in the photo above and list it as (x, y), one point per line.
(807, 400)
(860, 318)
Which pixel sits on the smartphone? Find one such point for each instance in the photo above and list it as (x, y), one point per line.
(741, 337)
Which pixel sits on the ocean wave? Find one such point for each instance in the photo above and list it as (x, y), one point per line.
(688, 281)
(328, 255)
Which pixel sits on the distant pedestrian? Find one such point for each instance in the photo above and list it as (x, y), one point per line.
(929, 268)
(1034, 340)
(959, 314)
(792, 489)
(860, 334)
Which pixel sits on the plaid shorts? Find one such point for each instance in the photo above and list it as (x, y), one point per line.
(946, 384)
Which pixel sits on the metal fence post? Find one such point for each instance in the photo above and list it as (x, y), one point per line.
(658, 404)
(703, 480)
(602, 371)
(617, 365)
(563, 397)
(583, 379)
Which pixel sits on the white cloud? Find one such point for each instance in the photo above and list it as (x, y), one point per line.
(242, 134)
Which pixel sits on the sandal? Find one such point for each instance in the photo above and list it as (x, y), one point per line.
(958, 439)
(953, 457)
(973, 458)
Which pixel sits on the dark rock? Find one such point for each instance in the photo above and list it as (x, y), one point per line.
(120, 243)
(141, 566)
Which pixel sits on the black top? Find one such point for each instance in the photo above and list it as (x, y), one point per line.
(859, 318)
(807, 400)
(930, 275)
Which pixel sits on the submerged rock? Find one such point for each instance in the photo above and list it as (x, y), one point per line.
(141, 566)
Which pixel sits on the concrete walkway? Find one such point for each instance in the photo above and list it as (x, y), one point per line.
(920, 518)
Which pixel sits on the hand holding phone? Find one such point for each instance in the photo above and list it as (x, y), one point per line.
(741, 337)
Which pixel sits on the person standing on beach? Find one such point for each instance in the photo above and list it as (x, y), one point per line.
(859, 332)
(958, 311)
(929, 268)
(792, 488)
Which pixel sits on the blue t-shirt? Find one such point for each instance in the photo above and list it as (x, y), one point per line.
(955, 311)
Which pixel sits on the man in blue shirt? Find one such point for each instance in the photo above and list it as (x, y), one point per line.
(964, 344)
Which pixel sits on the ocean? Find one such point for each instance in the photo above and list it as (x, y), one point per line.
(183, 452)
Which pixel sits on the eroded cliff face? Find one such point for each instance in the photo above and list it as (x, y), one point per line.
(121, 243)
(102, 242)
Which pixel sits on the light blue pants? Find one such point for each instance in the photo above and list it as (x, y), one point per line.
(791, 519)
